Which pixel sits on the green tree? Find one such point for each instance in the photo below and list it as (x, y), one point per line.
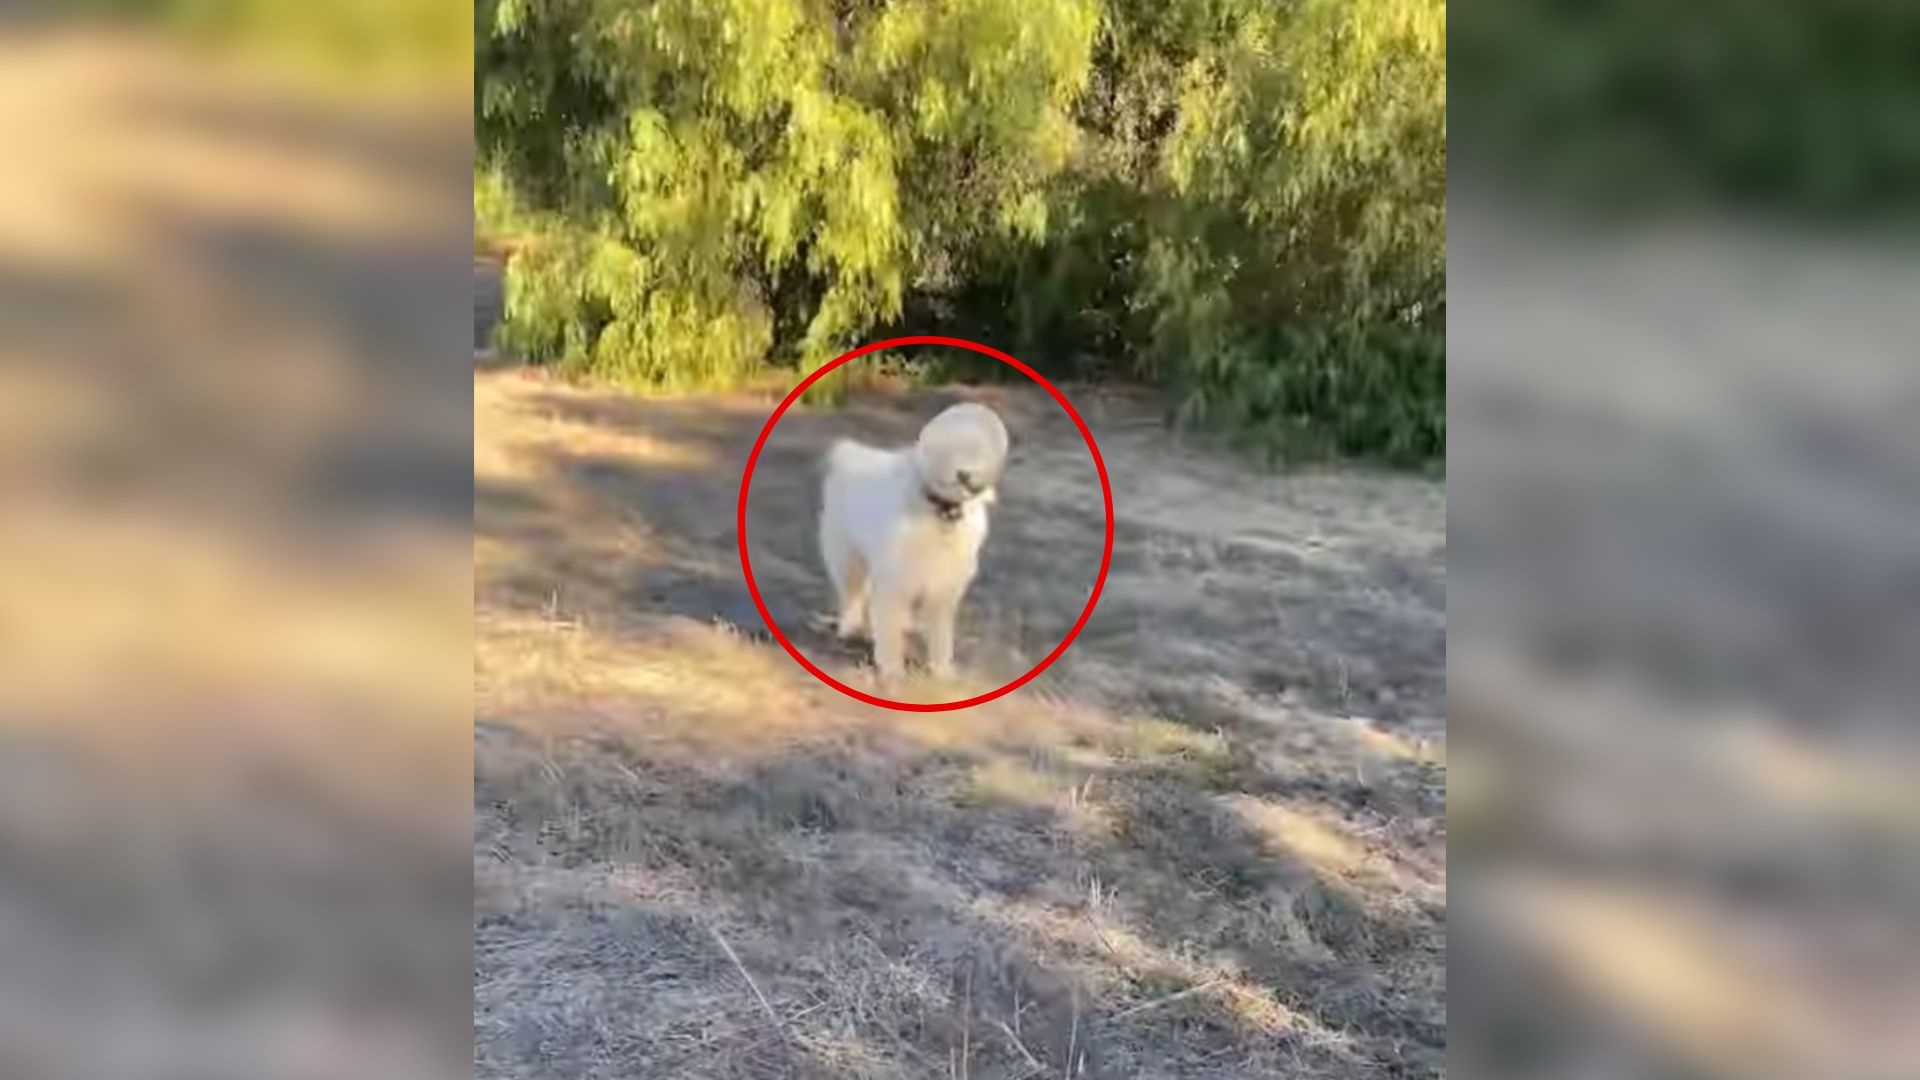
(1242, 199)
(723, 179)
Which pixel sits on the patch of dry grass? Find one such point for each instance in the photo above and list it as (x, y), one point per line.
(1208, 843)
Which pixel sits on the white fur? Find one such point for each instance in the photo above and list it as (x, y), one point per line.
(887, 544)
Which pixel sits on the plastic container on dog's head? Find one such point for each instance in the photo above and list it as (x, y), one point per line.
(961, 452)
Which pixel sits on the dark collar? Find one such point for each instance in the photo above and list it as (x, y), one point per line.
(947, 509)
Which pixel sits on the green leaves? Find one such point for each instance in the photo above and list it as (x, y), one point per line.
(1236, 197)
(733, 145)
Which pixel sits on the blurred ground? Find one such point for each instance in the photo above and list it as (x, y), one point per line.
(233, 576)
(1208, 843)
(1684, 491)
(1683, 625)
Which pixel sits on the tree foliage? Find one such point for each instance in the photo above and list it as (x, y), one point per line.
(1768, 107)
(1240, 198)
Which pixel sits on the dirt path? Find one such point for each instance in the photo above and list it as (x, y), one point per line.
(1209, 842)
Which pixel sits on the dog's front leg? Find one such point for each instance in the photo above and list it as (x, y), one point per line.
(889, 619)
(939, 615)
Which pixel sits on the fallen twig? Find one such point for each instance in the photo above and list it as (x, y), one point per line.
(966, 1028)
(1022, 1047)
(1073, 1034)
(1168, 1000)
(765, 1005)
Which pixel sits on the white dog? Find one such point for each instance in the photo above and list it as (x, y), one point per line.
(901, 529)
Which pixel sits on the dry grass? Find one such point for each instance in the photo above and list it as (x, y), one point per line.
(1208, 843)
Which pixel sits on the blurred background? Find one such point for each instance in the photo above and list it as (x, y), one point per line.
(1685, 518)
(235, 594)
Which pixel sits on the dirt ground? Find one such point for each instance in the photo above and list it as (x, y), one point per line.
(1209, 842)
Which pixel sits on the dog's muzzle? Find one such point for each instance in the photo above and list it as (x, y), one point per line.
(947, 509)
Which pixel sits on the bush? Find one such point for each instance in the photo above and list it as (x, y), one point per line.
(1240, 200)
(1768, 106)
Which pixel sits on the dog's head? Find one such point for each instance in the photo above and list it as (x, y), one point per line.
(960, 455)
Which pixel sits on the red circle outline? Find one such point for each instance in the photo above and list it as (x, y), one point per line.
(746, 564)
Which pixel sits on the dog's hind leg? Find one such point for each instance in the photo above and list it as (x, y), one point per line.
(849, 573)
(853, 597)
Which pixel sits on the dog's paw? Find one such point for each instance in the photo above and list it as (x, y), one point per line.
(824, 623)
(889, 683)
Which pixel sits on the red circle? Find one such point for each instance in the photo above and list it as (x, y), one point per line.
(746, 565)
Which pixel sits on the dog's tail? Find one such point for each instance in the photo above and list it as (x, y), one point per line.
(848, 455)
(837, 455)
